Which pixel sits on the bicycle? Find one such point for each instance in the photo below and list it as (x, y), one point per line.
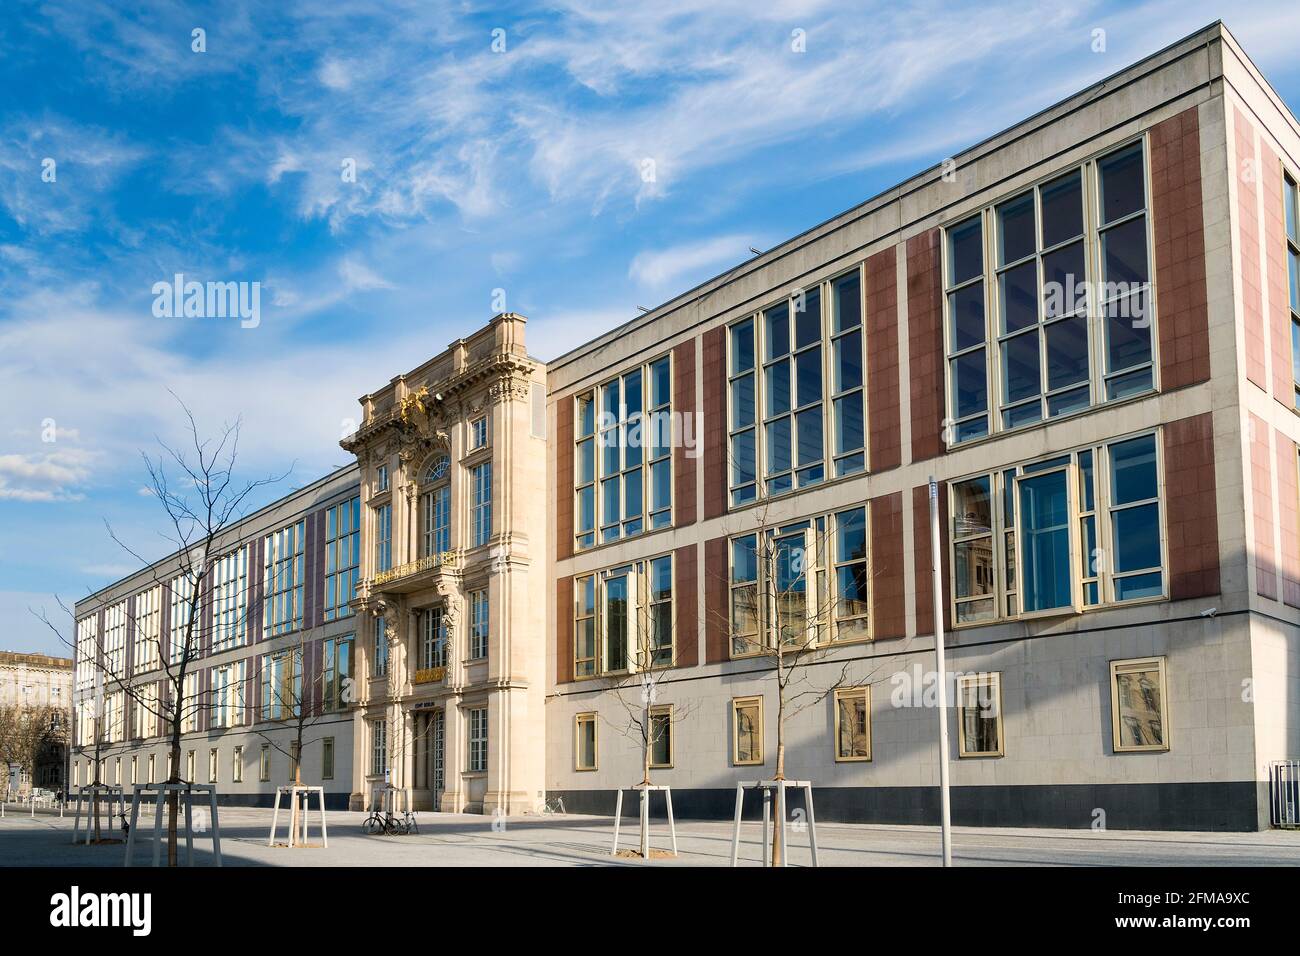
(553, 807)
(380, 822)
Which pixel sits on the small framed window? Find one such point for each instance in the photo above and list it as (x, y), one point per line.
(979, 715)
(212, 765)
(747, 731)
(264, 764)
(478, 739)
(189, 766)
(327, 758)
(585, 742)
(237, 766)
(1139, 709)
(853, 724)
(478, 433)
(661, 737)
(381, 478)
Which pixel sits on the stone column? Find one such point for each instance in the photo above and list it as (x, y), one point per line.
(453, 756)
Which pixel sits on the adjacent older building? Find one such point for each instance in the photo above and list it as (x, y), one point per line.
(37, 687)
(1082, 329)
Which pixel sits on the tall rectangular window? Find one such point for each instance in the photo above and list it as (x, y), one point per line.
(979, 715)
(435, 512)
(478, 433)
(584, 639)
(342, 556)
(383, 537)
(282, 685)
(623, 438)
(114, 658)
(853, 723)
(1138, 705)
(584, 746)
(478, 739)
(228, 694)
(661, 736)
(327, 758)
(212, 765)
(379, 661)
(336, 675)
(1291, 203)
(237, 765)
(1025, 264)
(478, 624)
(660, 611)
(264, 764)
(852, 607)
(848, 396)
(744, 595)
(230, 600)
(182, 640)
(433, 639)
(480, 516)
(378, 747)
(1078, 530)
(742, 389)
(189, 767)
(747, 731)
(284, 572)
(148, 633)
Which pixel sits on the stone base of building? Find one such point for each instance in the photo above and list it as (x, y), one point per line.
(1230, 806)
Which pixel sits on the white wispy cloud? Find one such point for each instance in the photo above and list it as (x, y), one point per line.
(689, 262)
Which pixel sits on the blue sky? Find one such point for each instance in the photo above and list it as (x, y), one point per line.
(477, 170)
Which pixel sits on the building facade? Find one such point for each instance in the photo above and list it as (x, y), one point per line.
(40, 684)
(1082, 329)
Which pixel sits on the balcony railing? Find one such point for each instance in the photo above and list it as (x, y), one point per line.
(430, 562)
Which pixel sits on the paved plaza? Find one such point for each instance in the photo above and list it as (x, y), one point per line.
(573, 840)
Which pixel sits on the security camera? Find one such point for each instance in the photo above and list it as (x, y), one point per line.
(1210, 612)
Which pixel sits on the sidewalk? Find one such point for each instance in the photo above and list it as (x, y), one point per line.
(472, 840)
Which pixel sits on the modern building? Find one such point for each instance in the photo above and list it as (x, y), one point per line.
(40, 686)
(1085, 329)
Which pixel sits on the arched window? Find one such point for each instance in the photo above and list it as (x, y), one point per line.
(435, 507)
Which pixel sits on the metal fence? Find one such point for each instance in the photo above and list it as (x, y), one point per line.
(1284, 794)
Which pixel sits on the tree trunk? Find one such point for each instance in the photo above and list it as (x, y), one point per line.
(173, 799)
(646, 744)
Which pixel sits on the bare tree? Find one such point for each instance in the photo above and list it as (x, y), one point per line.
(798, 594)
(648, 649)
(203, 501)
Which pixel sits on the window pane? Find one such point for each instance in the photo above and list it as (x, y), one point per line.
(1128, 333)
(1294, 269)
(742, 401)
(848, 302)
(609, 495)
(632, 494)
(742, 346)
(1122, 189)
(1133, 470)
(777, 380)
(1067, 352)
(966, 308)
(1016, 229)
(743, 468)
(808, 320)
(587, 508)
(616, 623)
(632, 393)
(1045, 541)
(1292, 216)
(972, 507)
(851, 527)
(1137, 538)
(586, 460)
(1139, 586)
(965, 251)
(973, 568)
(1132, 384)
(777, 330)
(659, 383)
(744, 559)
(1021, 373)
(586, 415)
(848, 423)
(661, 485)
(778, 446)
(1140, 705)
(851, 584)
(1063, 210)
(1019, 287)
(848, 361)
(852, 725)
(808, 375)
(1064, 281)
(1124, 254)
(970, 384)
(810, 436)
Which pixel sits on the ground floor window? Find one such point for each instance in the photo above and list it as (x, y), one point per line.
(189, 766)
(979, 715)
(264, 764)
(327, 758)
(585, 742)
(439, 765)
(378, 747)
(152, 778)
(853, 723)
(661, 736)
(747, 731)
(1137, 693)
(478, 739)
(212, 765)
(237, 766)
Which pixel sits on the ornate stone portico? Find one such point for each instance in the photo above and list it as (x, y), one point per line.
(450, 454)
